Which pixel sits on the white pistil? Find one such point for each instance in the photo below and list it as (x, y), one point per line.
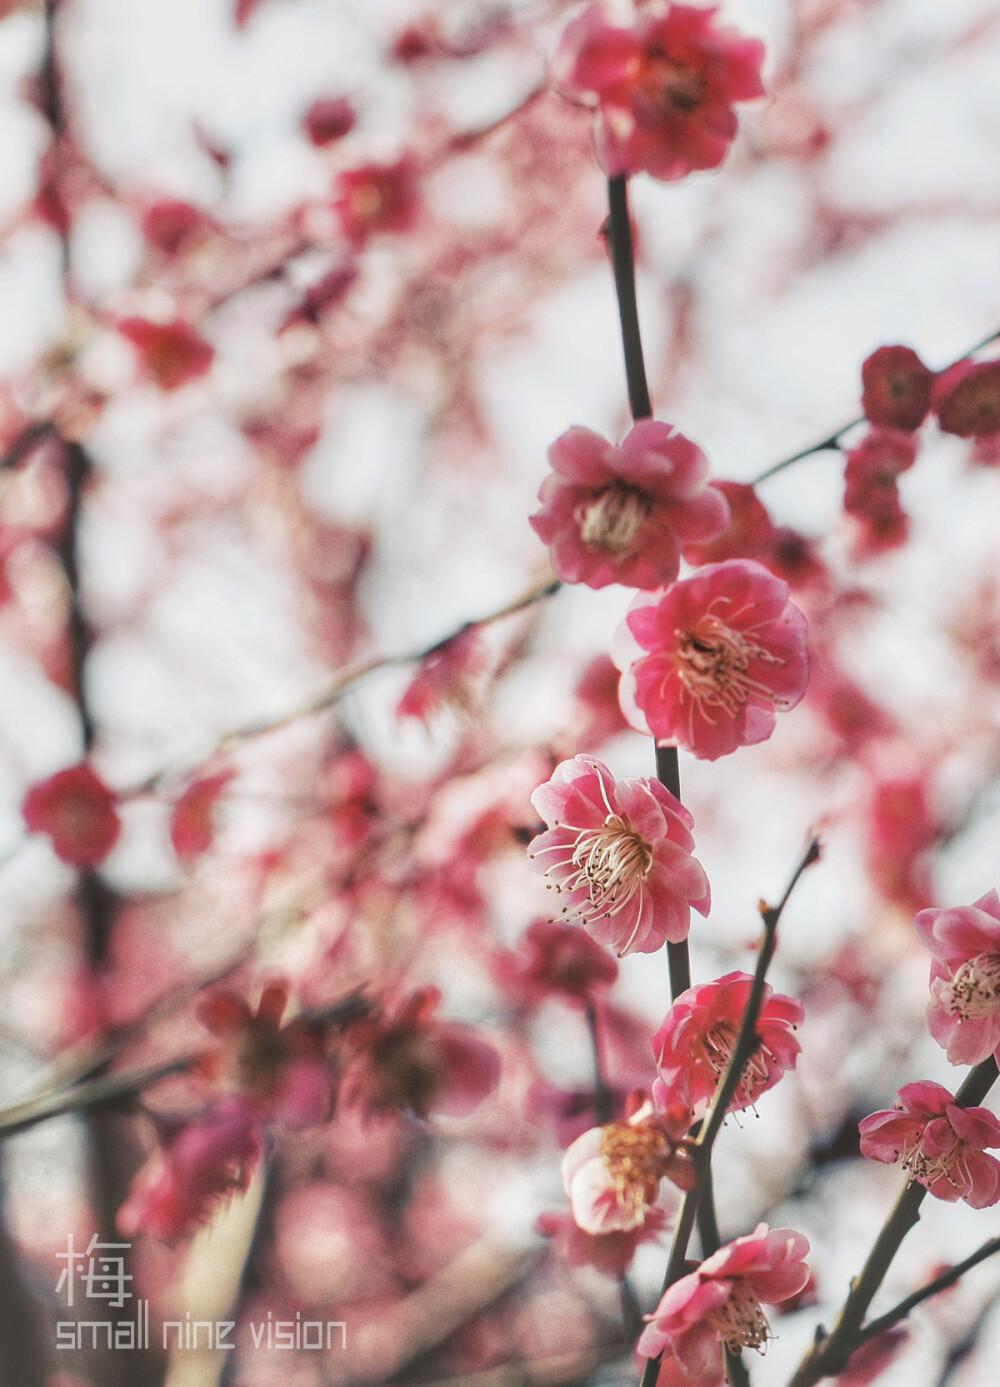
(613, 518)
(973, 994)
(713, 662)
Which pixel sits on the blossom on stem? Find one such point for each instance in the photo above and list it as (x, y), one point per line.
(620, 515)
(610, 1253)
(77, 810)
(942, 1145)
(559, 960)
(751, 534)
(871, 493)
(377, 197)
(963, 1014)
(698, 1035)
(707, 662)
(720, 1305)
(966, 399)
(664, 87)
(897, 388)
(619, 853)
(612, 1174)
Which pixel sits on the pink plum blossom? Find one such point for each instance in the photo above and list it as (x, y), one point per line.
(942, 1145)
(707, 662)
(720, 1304)
(619, 853)
(696, 1040)
(664, 86)
(612, 1174)
(964, 1011)
(620, 515)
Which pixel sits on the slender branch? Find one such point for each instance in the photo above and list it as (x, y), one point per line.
(25, 441)
(940, 1283)
(832, 441)
(829, 1354)
(109, 1090)
(619, 234)
(747, 1043)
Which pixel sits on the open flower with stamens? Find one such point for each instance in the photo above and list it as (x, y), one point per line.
(620, 515)
(619, 855)
(942, 1145)
(696, 1041)
(707, 662)
(964, 1011)
(612, 1174)
(720, 1304)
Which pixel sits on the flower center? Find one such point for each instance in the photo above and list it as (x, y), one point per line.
(611, 863)
(613, 518)
(974, 991)
(951, 1163)
(740, 1320)
(717, 1047)
(713, 662)
(636, 1157)
(667, 88)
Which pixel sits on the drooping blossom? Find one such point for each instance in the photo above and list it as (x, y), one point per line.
(171, 354)
(897, 388)
(664, 86)
(611, 1253)
(619, 854)
(966, 399)
(410, 1061)
(963, 1014)
(696, 1041)
(707, 662)
(720, 1305)
(280, 1070)
(181, 1186)
(942, 1145)
(901, 823)
(871, 493)
(561, 960)
(377, 197)
(620, 515)
(77, 810)
(611, 1174)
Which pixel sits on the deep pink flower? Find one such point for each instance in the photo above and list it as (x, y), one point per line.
(695, 1042)
(942, 1145)
(720, 1303)
(871, 493)
(77, 810)
(450, 676)
(377, 197)
(619, 853)
(897, 388)
(620, 515)
(664, 87)
(560, 959)
(964, 1011)
(612, 1174)
(329, 118)
(751, 534)
(707, 662)
(966, 399)
(172, 354)
(411, 1061)
(180, 1187)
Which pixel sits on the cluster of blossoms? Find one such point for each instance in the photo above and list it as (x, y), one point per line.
(899, 393)
(941, 1144)
(705, 663)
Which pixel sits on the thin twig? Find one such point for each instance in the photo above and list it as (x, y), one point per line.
(746, 1044)
(829, 1353)
(832, 441)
